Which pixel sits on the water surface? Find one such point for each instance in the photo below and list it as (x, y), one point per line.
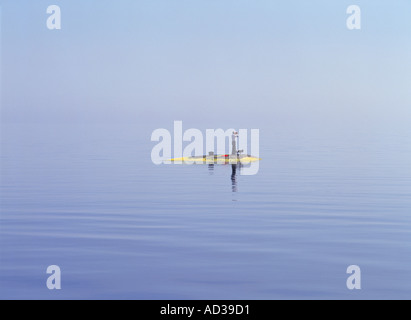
(88, 198)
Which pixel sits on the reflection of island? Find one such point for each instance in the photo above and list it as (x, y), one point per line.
(234, 168)
(234, 177)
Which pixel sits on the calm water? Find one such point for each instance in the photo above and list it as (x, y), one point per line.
(88, 198)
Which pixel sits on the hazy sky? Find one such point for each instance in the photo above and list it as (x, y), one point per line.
(229, 63)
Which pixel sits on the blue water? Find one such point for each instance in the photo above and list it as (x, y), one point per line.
(88, 199)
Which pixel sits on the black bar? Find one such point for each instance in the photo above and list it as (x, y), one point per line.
(205, 309)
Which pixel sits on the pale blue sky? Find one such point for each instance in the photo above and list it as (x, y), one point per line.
(207, 62)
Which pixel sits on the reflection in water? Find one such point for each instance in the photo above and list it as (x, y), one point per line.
(234, 177)
(235, 168)
(211, 169)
